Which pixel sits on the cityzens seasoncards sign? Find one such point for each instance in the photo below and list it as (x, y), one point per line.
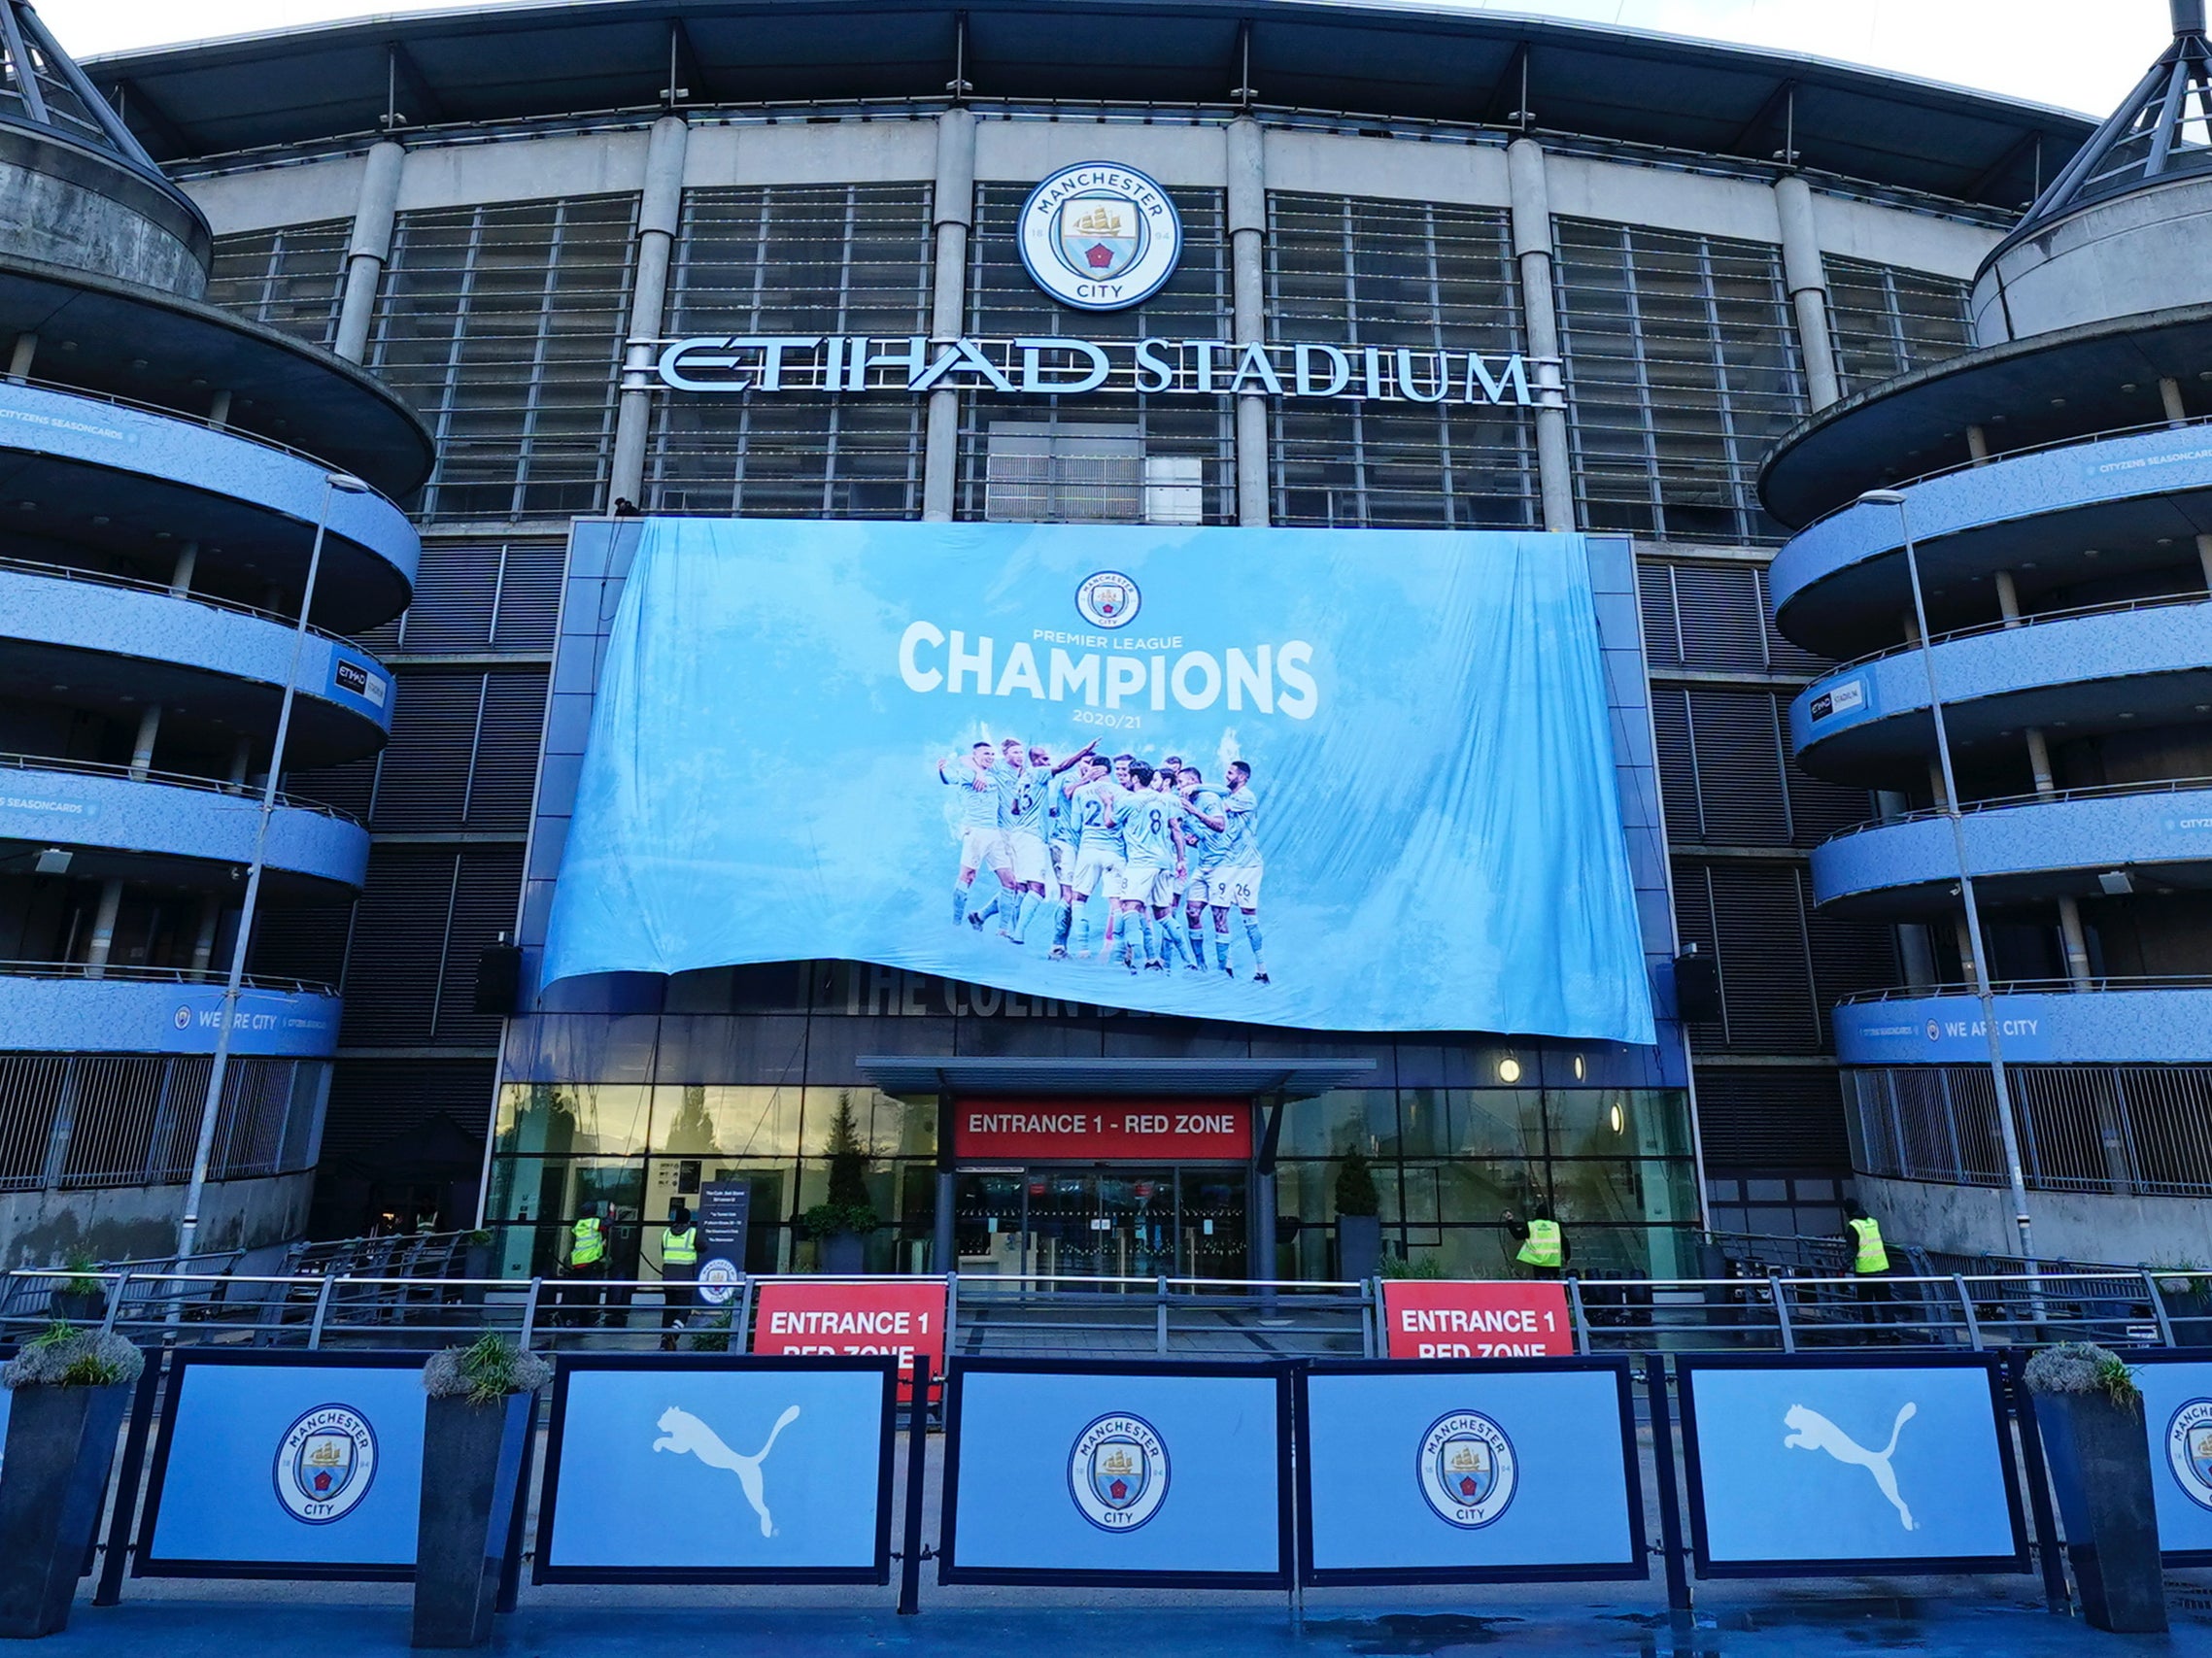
(1336, 779)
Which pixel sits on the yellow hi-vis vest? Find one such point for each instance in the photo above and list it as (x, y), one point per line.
(588, 1243)
(679, 1248)
(1871, 1256)
(1542, 1246)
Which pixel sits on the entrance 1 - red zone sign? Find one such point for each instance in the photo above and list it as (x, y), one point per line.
(1476, 1319)
(806, 1316)
(1103, 1131)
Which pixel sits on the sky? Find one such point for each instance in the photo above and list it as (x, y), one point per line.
(2078, 55)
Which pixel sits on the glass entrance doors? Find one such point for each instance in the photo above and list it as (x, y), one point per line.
(1103, 1223)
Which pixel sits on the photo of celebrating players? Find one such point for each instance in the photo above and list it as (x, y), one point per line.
(1128, 861)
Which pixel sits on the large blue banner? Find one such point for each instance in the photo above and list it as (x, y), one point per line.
(1324, 778)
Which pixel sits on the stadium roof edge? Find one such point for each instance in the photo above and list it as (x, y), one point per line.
(1384, 58)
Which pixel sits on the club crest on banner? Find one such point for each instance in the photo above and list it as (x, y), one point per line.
(325, 1465)
(1467, 1469)
(717, 1281)
(1100, 237)
(1118, 1473)
(2188, 1451)
(1109, 600)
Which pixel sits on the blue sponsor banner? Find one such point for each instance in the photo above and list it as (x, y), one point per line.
(909, 744)
(706, 1468)
(1163, 1476)
(359, 678)
(1823, 1466)
(1510, 1471)
(2177, 1417)
(287, 1464)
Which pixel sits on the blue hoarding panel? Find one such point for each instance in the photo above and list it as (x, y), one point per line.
(1438, 1474)
(810, 736)
(288, 1464)
(1814, 1466)
(2177, 1417)
(718, 1469)
(1156, 1474)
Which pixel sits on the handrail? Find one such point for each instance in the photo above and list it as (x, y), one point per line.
(33, 969)
(2102, 435)
(116, 399)
(2102, 984)
(2013, 624)
(167, 779)
(2013, 802)
(139, 584)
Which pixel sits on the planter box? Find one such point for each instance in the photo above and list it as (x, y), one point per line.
(2100, 1467)
(61, 1441)
(1359, 1247)
(473, 1461)
(78, 1306)
(845, 1252)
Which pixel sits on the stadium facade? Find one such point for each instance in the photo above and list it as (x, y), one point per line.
(1575, 278)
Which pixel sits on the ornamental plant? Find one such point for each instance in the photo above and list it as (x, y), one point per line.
(2085, 1368)
(1355, 1186)
(485, 1371)
(848, 1206)
(81, 1263)
(64, 1356)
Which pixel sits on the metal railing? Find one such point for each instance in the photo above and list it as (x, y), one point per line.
(241, 790)
(157, 975)
(139, 584)
(1138, 1318)
(2013, 802)
(2037, 986)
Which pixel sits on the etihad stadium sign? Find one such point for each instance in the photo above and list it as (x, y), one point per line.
(852, 365)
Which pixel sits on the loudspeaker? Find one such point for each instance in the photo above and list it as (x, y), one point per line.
(1697, 987)
(499, 978)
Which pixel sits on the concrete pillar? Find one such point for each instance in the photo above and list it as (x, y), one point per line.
(1935, 783)
(1807, 279)
(2204, 559)
(2076, 941)
(369, 247)
(1247, 277)
(181, 577)
(1977, 445)
(103, 930)
(1966, 969)
(2039, 761)
(149, 729)
(241, 757)
(1539, 323)
(659, 212)
(203, 945)
(219, 408)
(1917, 956)
(1912, 627)
(2007, 598)
(19, 360)
(953, 205)
(2169, 398)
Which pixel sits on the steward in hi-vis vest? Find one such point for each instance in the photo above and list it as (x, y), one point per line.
(1543, 1242)
(679, 1270)
(586, 1260)
(1870, 1268)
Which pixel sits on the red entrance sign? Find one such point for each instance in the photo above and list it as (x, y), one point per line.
(1103, 1131)
(1476, 1319)
(802, 1316)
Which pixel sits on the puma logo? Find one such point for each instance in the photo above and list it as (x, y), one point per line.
(687, 1436)
(1810, 1431)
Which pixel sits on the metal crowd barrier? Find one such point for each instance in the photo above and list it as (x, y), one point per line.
(1040, 1316)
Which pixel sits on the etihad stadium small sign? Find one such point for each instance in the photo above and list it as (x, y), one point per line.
(853, 364)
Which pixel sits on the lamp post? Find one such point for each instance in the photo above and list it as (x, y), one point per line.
(2008, 1129)
(210, 1111)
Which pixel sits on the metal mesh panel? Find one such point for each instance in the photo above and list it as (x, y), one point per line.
(503, 325)
(796, 260)
(1022, 456)
(1680, 366)
(92, 1120)
(291, 278)
(1886, 321)
(30, 1089)
(1424, 276)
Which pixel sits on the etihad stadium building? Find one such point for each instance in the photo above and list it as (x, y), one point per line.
(635, 261)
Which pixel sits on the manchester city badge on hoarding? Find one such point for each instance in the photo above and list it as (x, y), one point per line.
(1118, 1472)
(1107, 600)
(1100, 237)
(1467, 1469)
(325, 1463)
(2188, 1451)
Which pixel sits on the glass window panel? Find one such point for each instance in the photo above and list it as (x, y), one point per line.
(290, 278)
(711, 1120)
(1615, 1192)
(578, 1118)
(1330, 1123)
(1478, 1122)
(1618, 1122)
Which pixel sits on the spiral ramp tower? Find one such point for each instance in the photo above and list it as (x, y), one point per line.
(2056, 484)
(163, 468)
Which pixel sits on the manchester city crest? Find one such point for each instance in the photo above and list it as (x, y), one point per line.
(325, 1465)
(1118, 1473)
(2188, 1451)
(1107, 600)
(1100, 237)
(1467, 1469)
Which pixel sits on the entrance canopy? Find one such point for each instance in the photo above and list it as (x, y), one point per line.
(1197, 1078)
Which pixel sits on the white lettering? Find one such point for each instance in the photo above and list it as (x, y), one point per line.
(911, 670)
